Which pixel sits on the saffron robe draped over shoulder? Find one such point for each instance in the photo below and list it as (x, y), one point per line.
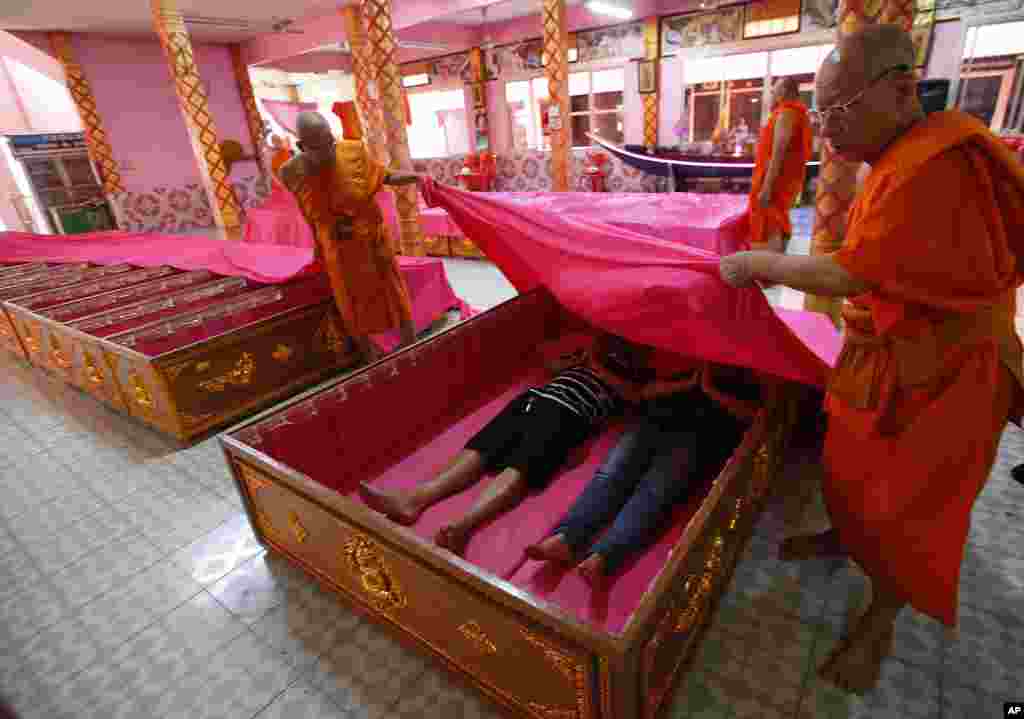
(360, 260)
(764, 221)
(280, 156)
(931, 368)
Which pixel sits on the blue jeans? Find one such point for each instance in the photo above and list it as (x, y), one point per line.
(651, 469)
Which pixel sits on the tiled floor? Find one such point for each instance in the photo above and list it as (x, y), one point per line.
(131, 587)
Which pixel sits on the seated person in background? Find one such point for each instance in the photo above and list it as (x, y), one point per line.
(532, 437)
(679, 441)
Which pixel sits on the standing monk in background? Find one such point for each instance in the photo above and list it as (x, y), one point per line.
(783, 151)
(281, 153)
(335, 183)
(930, 371)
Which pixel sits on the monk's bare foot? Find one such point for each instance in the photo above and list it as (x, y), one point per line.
(552, 549)
(592, 571)
(855, 665)
(453, 538)
(812, 546)
(392, 505)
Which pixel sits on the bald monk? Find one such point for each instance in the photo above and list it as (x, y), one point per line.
(335, 183)
(783, 151)
(930, 371)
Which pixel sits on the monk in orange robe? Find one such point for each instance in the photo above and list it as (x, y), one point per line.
(335, 183)
(931, 370)
(783, 151)
(281, 153)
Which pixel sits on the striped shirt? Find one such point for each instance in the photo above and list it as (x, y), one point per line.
(580, 390)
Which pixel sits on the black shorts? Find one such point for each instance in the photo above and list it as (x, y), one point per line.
(532, 434)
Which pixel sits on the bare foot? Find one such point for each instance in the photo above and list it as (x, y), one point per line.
(392, 505)
(811, 546)
(552, 549)
(592, 571)
(855, 665)
(453, 538)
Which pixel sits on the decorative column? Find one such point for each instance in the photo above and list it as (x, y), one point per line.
(837, 180)
(652, 52)
(363, 73)
(95, 136)
(192, 100)
(556, 54)
(478, 89)
(377, 14)
(257, 128)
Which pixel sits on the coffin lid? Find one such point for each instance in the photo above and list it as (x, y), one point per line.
(656, 292)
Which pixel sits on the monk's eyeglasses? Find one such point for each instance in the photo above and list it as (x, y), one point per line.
(837, 114)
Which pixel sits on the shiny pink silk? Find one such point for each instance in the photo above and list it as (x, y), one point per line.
(278, 221)
(271, 264)
(647, 288)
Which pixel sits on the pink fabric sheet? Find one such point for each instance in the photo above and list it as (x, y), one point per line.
(717, 223)
(278, 221)
(639, 282)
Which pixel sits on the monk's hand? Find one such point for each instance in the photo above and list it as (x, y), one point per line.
(736, 270)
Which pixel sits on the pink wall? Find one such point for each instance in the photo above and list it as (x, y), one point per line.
(136, 99)
(33, 98)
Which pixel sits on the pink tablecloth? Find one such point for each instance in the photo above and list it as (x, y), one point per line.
(716, 223)
(278, 221)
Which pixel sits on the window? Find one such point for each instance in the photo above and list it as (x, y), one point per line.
(438, 126)
(727, 93)
(989, 88)
(595, 105)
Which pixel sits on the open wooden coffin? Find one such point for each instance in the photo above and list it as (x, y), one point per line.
(181, 351)
(538, 642)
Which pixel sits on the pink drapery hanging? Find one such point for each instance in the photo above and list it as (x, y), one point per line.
(285, 113)
(632, 282)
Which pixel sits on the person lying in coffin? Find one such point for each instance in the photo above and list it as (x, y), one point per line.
(531, 439)
(679, 441)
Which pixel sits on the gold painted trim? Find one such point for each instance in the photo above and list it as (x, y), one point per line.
(282, 353)
(240, 375)
(475, 634)
(297, 529)
(376, 580)
(140, 393)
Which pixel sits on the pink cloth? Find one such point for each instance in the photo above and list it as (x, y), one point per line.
(285, 113)
(716, 223)
(434, 222)
(271, 264)
(278, 221)
(638, 283)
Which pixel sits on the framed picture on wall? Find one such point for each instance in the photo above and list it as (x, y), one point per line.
(922, 37)
(768, 18)
(700, 29)
(479, 102)
(647, 77)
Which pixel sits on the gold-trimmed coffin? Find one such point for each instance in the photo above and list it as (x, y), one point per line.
(533, 658)
(91, 325)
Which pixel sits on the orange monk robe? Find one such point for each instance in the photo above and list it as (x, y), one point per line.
(281, 155)
(369, 291)
(931, 369)
(790, 181)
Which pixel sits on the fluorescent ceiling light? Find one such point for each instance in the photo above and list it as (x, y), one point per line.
(604, 7)
(416, 80)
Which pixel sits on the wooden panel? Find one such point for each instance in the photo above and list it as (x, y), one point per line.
(520, 664)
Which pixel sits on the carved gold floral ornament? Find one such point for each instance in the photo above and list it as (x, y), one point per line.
(93, 374)
(475, 634)
(298, 530)
(57, 356)
(282, 353)
(239, 375)
(140, 392)
(381, 588)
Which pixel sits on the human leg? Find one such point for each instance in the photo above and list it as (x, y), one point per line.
(502, 494)
(657, 492)
(600, 500)
(406, 506)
